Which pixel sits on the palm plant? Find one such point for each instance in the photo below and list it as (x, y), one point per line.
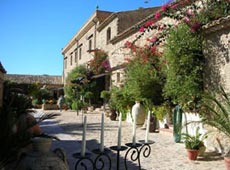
(216, 112)
(194, 141)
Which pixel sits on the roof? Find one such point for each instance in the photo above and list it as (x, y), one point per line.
(127, 19)
(30, 79)
(2, 68)
(130, 18)
(221, 23)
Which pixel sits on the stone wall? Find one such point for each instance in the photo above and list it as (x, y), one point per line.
(217, 53)
(216, 49)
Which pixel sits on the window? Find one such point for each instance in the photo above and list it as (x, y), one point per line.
(118, 77)
(75, 57)
(90, 44)
(108, 35)
(80, 53)
(71, 59)
(65, 63)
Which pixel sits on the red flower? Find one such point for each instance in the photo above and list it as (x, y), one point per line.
(195, 26)
(153, 49)
(157, 15)
(142, 29)
(174, 6)
(128, 44)
(164, 7)
(148, 23)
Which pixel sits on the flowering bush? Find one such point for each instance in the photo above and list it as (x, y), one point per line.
(182, 60)
(144, 78)
(194, 13)
(100, 62)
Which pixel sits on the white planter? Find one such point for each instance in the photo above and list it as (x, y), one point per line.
(138, 111)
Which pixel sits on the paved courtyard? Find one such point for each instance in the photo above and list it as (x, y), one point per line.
(165, 153)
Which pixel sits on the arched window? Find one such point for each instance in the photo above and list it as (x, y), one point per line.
(108, 35)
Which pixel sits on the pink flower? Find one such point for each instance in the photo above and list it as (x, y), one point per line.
(153, 39)
(106, 64)
(157, 15)
(174, 6)
(128, 44)
(148, 23)
(142, 29)
(190, 12)
(164, 7)
(186, 19)
(153, 49)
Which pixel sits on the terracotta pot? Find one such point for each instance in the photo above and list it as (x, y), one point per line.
(113, 115)
(227, 162)
(192, 154)
(35, 130)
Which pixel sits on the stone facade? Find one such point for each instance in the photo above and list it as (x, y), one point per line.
(217, 52)
(77, 51)
(217, 71)
(109, 34)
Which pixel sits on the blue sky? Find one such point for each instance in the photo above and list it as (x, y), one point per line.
(33, 32)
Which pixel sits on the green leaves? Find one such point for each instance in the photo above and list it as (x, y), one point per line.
(216, 111)
(194, 141)
(184, 81)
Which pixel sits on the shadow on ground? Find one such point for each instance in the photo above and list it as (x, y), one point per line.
(210, 156)
(73, 147)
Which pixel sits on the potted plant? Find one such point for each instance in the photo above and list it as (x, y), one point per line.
(194, 143)
(105, 95)
(89, 95)
(120, 101)
(216, 113)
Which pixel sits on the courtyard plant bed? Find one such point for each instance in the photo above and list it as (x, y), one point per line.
(50, 107)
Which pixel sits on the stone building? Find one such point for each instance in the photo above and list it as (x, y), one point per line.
(107, 31)
(2, 73)
(53, 83)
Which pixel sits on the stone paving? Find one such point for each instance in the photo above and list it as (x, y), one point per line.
(165, 153)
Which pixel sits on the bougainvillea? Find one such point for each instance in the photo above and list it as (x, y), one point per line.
(100, 62)
(194, 13)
